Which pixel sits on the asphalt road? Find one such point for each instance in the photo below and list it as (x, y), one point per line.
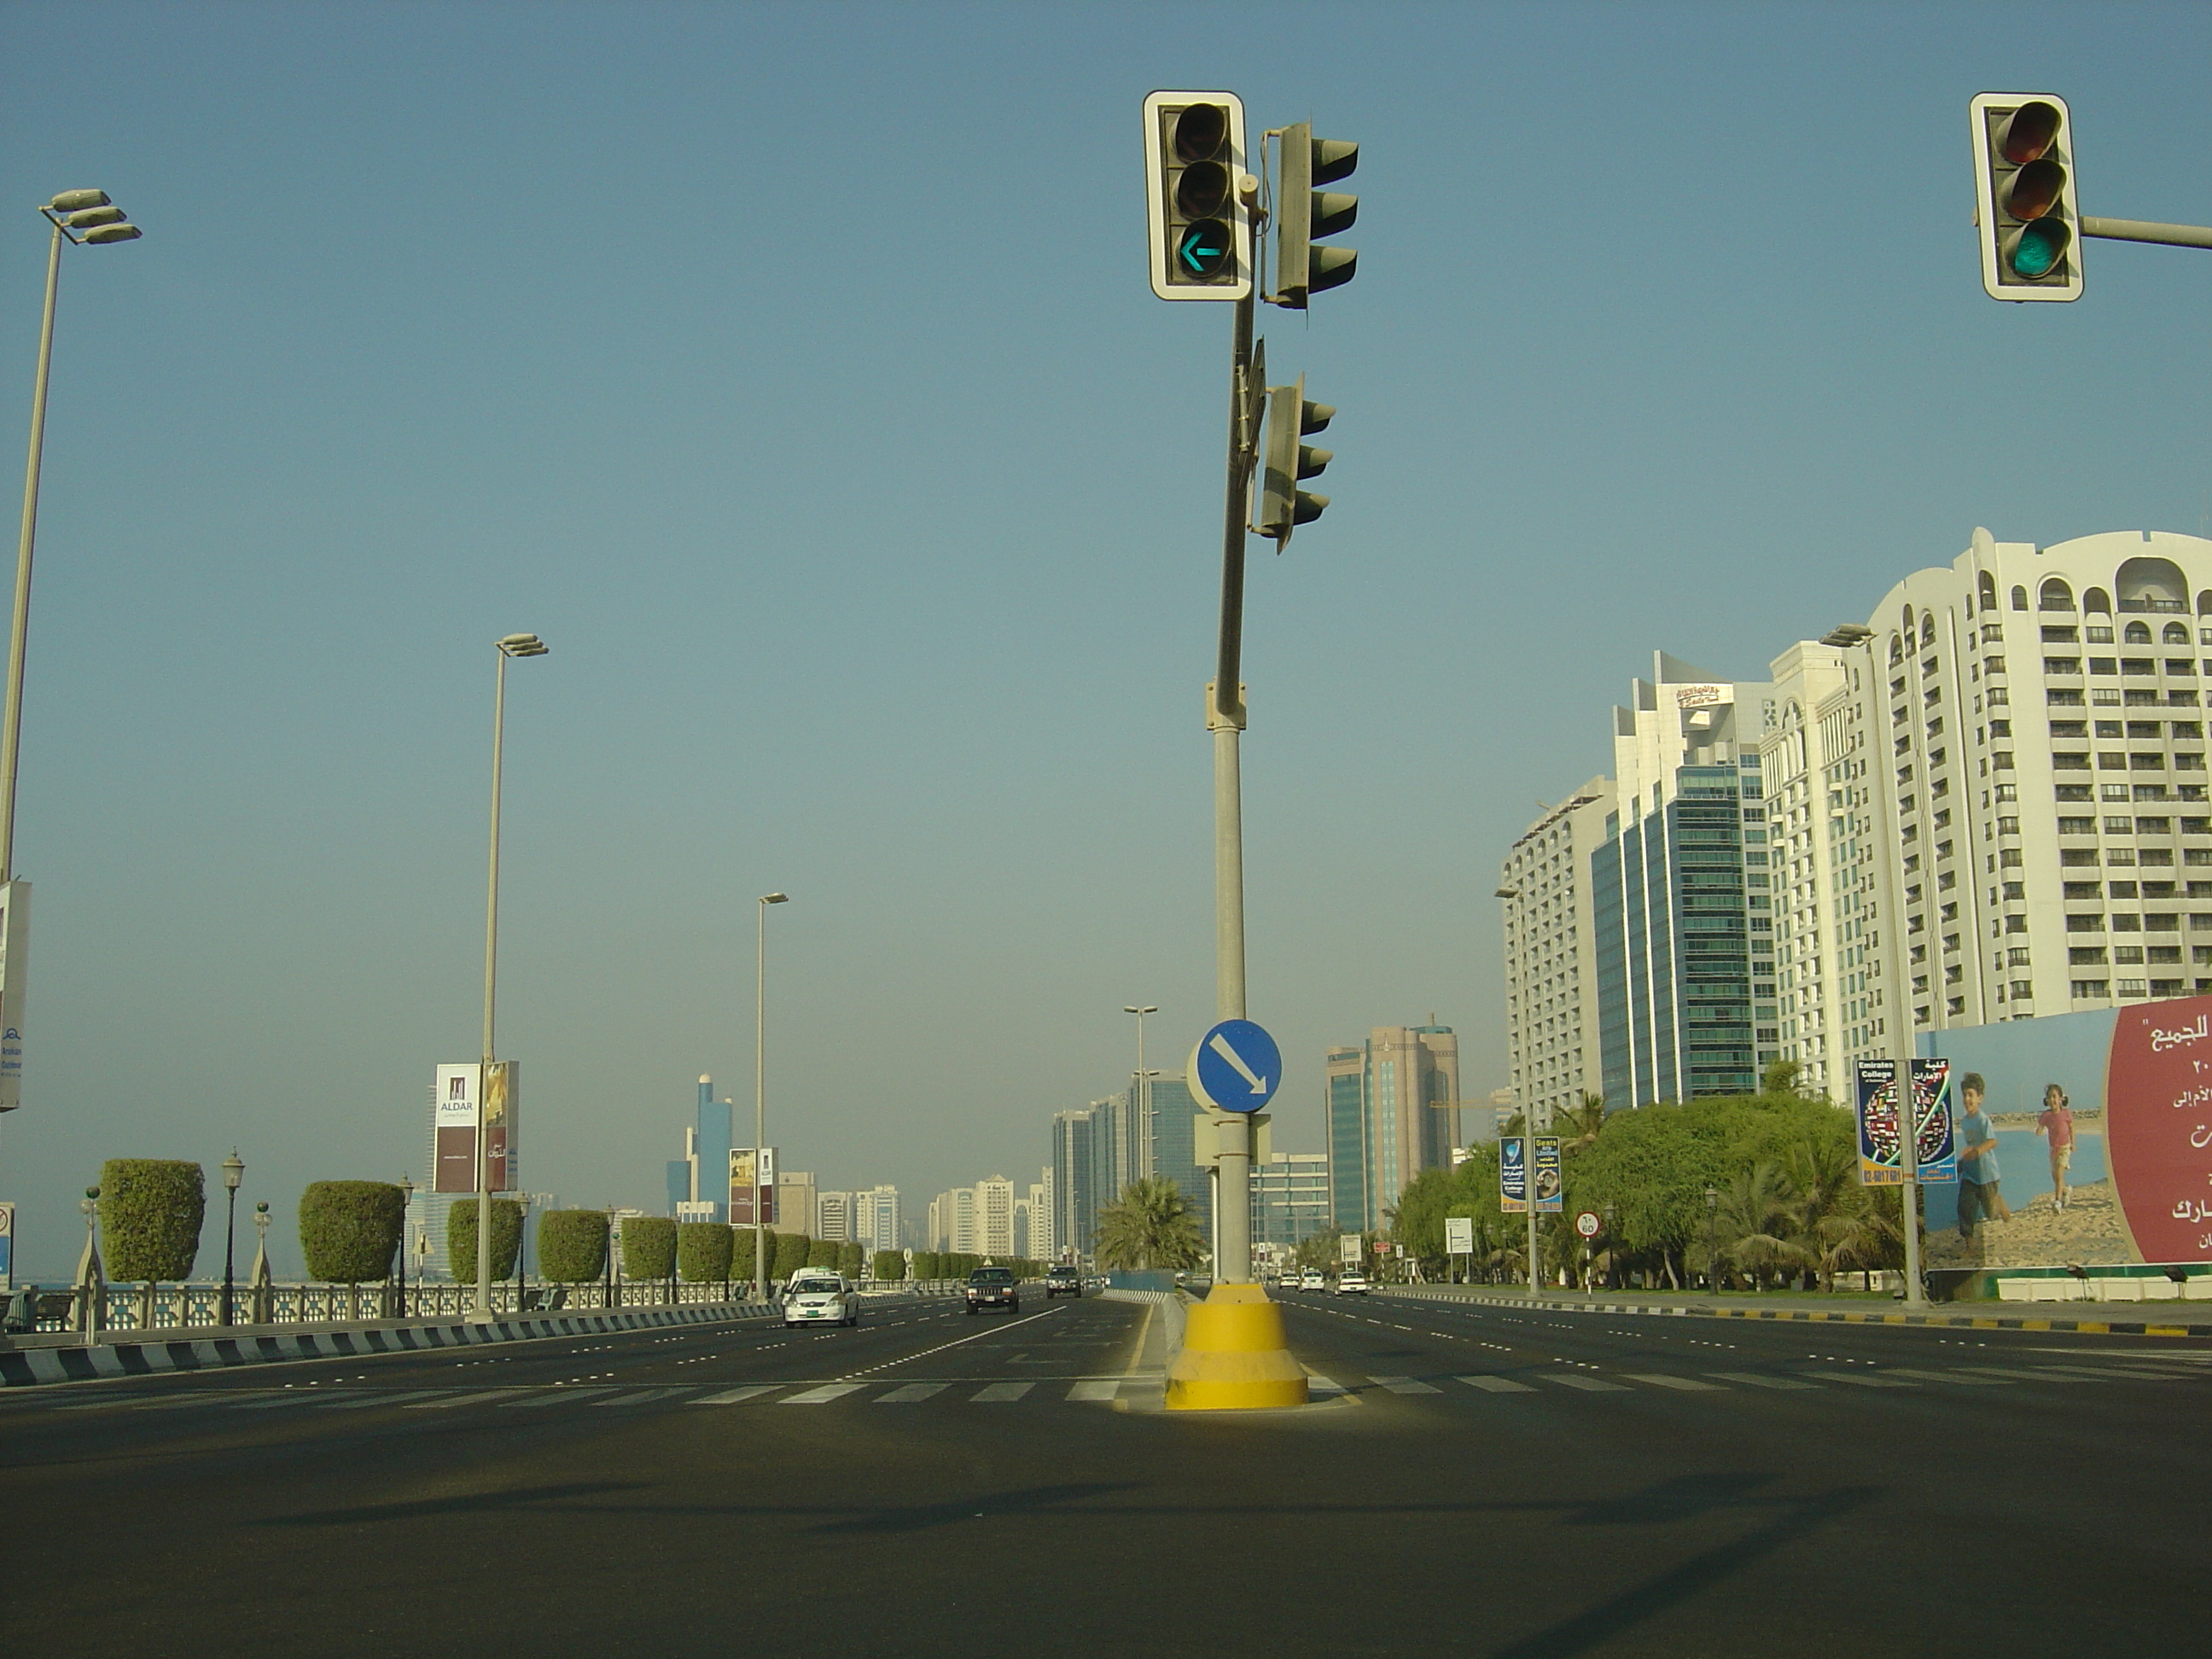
(1470, 1480)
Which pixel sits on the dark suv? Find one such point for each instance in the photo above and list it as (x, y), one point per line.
(1063, 1281)
(992, 1287)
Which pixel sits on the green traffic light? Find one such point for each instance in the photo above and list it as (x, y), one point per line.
(1203, 249)
(2041, 244)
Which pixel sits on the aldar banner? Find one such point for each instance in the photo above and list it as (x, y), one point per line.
(14, 967)
(464, 1101)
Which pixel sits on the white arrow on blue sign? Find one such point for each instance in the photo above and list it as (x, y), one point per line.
(1236, 1067)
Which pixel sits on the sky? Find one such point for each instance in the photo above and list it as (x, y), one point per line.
(793, 372)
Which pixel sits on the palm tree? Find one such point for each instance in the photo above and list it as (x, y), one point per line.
(1757, 1231)
(1579, 1126)
(1152, 1224)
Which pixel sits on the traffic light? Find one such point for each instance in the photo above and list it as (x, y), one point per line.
(2030, 224)
(1303, 213)
(1195, 185)
(1287, 462)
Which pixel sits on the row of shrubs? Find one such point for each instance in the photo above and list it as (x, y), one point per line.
(151, 1211)
(958, 1264)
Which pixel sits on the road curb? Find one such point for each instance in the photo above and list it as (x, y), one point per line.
(24, 1368)
(1821, 1315)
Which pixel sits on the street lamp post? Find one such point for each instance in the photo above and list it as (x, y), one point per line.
(760, 1088)
(406, 1231)
(233, 1171)
(1712, 1240)
(514, 645)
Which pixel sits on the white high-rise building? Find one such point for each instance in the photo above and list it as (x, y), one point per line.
(833, 1216)
(2014, 746)
(1551, 954)
(875, 1217)
(1043, 1244)
(994, 1216)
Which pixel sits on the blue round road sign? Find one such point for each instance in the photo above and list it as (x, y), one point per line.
(1237, 1067)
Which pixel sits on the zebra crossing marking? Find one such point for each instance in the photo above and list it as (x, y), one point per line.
(823, 1395)
(552, 1397)
(738, 1396)
(1489, 1384)
(1588, 1384)
(910, 1394)
(999, 1391)
(1759, 1380)
(1096, 1389)
(471, 1399)
(1687, 1385)
(1405, 1385)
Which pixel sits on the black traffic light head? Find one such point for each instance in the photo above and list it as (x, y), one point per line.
(1303, 214)
(2029, 224)
(1287, 462)
(1197, 196)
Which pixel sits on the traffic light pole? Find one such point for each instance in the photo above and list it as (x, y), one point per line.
(1225, 719)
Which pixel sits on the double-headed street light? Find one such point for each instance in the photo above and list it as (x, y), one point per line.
(233, 1171)
(79, 217)
(760, 1092)
(514, 645)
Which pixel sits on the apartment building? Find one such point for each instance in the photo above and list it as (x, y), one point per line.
(1550, 952)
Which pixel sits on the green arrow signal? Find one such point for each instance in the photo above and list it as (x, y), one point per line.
(1203, 248)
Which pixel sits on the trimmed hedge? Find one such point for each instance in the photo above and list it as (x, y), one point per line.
(793, 1252)
(150, 1211)
(851, 1258)
(741, 1251)
(461, 1239)
(891, 1265)
(648, 1246)
(349, 1230)
(572, 1246)
(823, 1252)
(702, 1252)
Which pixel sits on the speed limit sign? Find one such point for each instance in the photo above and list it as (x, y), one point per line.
(1587, 1224)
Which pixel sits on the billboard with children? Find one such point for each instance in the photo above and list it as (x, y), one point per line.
(2081, 1139)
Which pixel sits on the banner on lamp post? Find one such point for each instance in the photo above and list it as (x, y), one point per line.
(15, 969)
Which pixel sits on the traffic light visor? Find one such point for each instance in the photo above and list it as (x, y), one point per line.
(2039, 246)
(2035, 189)
(2027, 132)
(1200, 130)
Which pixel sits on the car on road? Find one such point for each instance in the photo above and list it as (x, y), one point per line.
(820, 1298)
(1353, 1284)
(1312, 1280)
(993, 1287)
(1063, 1281)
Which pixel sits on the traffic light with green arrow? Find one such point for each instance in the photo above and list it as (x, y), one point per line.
(1287, 462)
(1304, 214)
(1197, 195)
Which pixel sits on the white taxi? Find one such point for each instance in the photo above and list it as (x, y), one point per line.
(820, 1298)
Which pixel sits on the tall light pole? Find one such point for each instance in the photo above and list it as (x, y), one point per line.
(233, 1171)
(1141, 1104)
(81, 218)
(514, 645)
(1517, 946)
(760, 1088)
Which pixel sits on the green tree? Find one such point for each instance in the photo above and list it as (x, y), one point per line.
(702, 1251)
(648, 1246)
(851, 1258)
(891, 1266)
(1152, 1224)
(349, 1230)
(572, 1246)
(461, 1237)
(150, 1211)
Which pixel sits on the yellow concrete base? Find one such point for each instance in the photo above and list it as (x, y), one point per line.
(1234, 1356)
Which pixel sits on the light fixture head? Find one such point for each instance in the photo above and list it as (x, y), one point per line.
(106, 234)
(233, 1170)
(775, 898)
(523, 645)
(75, 201)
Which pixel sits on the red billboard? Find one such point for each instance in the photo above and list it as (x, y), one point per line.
(2158, 1104)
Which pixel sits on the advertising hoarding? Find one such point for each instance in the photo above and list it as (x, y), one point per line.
(464, 1104)
(1512, 1174)
(1550, 1185)
(14, 970)
(7, 1247)
(1881, 1149)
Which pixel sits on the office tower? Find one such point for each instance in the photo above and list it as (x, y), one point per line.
(711, 1151)
(1551, 948)
(1681, 892)
(1290, 1198)
(1388, 1108)
(875, 1217)
(833, 1216)
(1075, 1203)
(1170, 1149)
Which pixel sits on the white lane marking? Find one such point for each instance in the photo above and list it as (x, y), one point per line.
(1588, 1384)
(1660, 1379)
(1000, 1391)
(823, 1395)
(461, 1399)
(553, 1397)
(977, 1336)
(1405, 1385)
(1497, 1384)
(640, 1397)
(1106, 1390)
(911, 1393)
(738, 1396)
(1753, 1380)
(1316, 1383)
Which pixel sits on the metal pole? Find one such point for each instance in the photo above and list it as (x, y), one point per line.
(11, 723)
(229, 1255)
(2147, 230)
(1225, 719)
(760, 1091)
(491, 979)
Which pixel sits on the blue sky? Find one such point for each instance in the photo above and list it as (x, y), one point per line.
(793, 372)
